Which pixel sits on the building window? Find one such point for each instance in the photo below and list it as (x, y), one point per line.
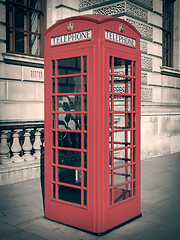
(24, 26)
(168, 19)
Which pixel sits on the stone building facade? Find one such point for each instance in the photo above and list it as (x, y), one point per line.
(22, 75)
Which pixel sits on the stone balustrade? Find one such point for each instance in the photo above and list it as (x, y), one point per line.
(21, 147)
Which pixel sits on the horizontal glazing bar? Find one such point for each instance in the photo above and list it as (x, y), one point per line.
(121, 184)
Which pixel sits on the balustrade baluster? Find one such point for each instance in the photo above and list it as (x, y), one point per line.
(27, 146)
(16, 147)
(4, 151)
(37, 145)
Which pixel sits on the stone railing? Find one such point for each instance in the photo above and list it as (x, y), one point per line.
(21, 142)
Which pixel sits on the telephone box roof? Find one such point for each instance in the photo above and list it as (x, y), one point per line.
(96, 18)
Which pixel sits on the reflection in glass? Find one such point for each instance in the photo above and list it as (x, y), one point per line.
(122, 175)
(69, 103)
(69, 158)
(69, 140)
(85, 64)
(69, 121)
(69, 84)
(69, 66)
(85, 83)
(85, 121)
(123, 192)
(67, 175)
(122, 66)
(85, 102)
(85, 140)
(110, 64)
(69, 194)
(34, 44)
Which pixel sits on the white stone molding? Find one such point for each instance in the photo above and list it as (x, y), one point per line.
(16, 147)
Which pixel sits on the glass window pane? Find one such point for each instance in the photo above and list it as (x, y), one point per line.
(122, 121)
(53, 85)
(34, 44)
(34, 22)
(21, 42)
(122, 193)
(85, 121)
(53, 103)
(54, 155)
(69, 121)
(85, 197)
(69, 84)
(69, 194)
(69, 176)
(85, 84)
(122, 175)
(69, 66)
(122, 103)
(121, 157)
(69, 140)
(122, 66)
(85, 64)
(54, 191)
(122, 139)
(53, 67)
(69, 158)
(85, 102)
(20, 18)
(85, 160)
(122, 85)
(54, 121)
(69, 103)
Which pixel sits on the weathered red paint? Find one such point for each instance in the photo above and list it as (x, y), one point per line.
(101, 200)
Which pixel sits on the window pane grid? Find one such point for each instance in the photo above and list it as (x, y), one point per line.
(24, 25)
(69, 92)
(122, 95)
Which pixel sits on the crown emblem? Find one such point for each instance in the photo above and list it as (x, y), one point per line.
(70, 26)
(121, 27)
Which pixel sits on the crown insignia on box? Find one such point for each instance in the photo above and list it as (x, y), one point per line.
(70, 26)
(121, 27)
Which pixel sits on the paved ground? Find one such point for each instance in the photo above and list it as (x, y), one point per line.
(21, 209)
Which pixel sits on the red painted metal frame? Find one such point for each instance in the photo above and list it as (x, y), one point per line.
(100, 214)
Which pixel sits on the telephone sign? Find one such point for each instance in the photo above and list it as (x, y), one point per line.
(92, 122)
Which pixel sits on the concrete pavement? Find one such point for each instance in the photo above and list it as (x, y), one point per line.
(22, 215)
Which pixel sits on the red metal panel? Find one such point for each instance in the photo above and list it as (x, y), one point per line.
(92, 136)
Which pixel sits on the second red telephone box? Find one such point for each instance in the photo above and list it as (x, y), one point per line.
(92, 122)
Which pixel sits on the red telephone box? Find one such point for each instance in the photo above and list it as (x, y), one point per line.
(92, 122)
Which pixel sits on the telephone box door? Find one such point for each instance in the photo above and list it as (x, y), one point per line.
(124, 136)
(67, 174)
